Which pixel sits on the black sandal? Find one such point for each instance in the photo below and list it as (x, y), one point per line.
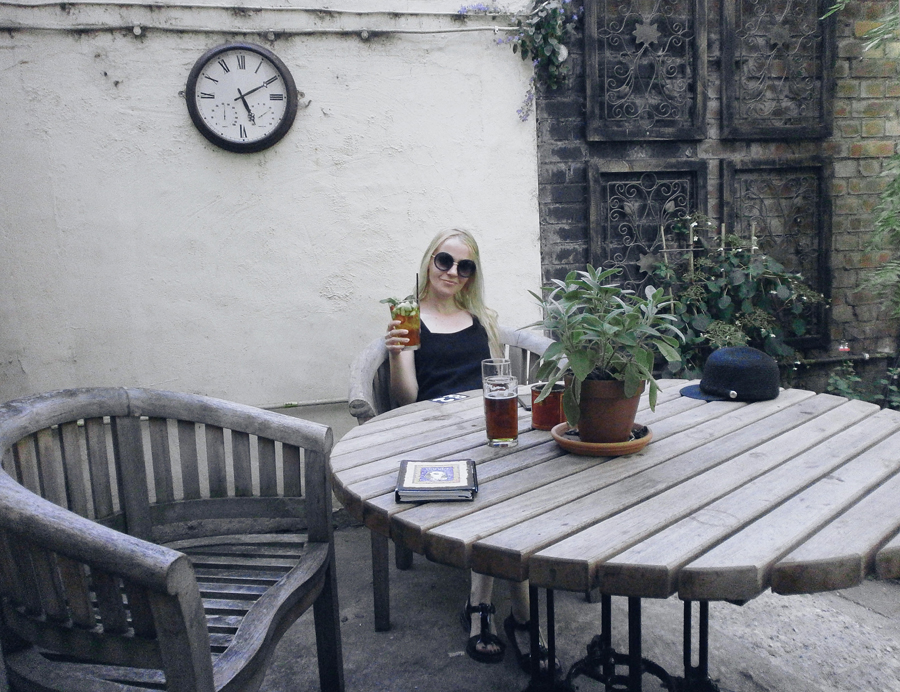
(510, 627)
(486, 637)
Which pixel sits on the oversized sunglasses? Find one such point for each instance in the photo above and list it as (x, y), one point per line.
(444, 261)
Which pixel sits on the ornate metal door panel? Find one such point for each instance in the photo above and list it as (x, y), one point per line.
(630, 203)
(785, 205)
(646, 69)
(777, 69)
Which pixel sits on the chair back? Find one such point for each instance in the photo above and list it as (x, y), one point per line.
(370, 372)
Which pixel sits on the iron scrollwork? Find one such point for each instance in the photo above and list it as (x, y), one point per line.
(777, 76)
(646, 62)
(784, 207)
(633, 213)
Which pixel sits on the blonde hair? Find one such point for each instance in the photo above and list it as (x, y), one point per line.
(471, 297)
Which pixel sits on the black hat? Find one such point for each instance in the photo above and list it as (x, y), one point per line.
(736, 373)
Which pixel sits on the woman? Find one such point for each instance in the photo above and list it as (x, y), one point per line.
(458, 331)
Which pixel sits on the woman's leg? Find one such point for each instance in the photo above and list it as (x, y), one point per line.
(481, 590)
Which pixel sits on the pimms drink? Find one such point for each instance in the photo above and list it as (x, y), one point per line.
(549, 412)
(500, 411)
(408, 314)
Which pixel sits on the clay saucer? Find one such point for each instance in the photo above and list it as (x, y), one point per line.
(569, 440)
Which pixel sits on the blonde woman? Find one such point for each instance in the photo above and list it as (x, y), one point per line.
(458, 331)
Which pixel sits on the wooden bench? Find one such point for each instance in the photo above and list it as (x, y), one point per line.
(159, 540)
(370, 396)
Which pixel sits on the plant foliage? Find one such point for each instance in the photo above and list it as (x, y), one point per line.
(543, 34)
(884, 280)
(730, 294)
(603, 331)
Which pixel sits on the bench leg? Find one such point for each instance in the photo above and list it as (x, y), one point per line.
(326, 613)
(381, 591)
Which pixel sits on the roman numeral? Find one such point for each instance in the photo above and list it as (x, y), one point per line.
(224, 65)
(257, 67)
(243, 132)
(205, 95)
(211, 79)
(276, 97)
(270, 80)
(242, 62)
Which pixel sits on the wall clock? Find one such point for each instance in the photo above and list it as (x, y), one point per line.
(241, 97)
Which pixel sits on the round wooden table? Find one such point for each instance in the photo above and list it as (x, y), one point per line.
(797, 494)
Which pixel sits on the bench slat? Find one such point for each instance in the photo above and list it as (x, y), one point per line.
(75, 465)
(215, 461)
(243, 480)
(109, 602)
(139, 607)
(53, 600)
(75, 586)
(162, 459)
(51, 466)
(190, 473)
(290, 461)
(98, 463)
(268, 481)
(26, 460)
(131, 469)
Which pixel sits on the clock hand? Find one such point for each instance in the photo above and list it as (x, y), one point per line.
(261, 86)
(247, 106)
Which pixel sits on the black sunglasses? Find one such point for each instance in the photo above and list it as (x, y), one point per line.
(444, 261)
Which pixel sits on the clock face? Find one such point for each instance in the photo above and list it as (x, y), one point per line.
(241, 97)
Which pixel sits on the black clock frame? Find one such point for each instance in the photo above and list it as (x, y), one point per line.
(242, 147)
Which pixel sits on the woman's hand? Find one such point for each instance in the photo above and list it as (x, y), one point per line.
(395, 340)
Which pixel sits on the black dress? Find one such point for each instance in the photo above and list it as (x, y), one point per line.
(450, 363)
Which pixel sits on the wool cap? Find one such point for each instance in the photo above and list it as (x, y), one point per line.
(737, 373)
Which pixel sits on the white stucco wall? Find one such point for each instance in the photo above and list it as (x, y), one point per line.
(136, 253)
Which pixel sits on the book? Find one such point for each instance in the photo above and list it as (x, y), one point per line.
(432, 480)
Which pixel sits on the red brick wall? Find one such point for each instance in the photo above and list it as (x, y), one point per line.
(866, 134)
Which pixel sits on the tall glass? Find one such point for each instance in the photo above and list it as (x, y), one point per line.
(501, 411)
(547, 414)
(495, 367)
(407, 312)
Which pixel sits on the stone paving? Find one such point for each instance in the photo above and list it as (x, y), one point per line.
(843, 641)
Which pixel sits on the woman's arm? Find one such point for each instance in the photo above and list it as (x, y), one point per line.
(404, 385)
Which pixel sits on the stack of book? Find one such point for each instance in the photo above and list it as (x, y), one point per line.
(431, 480)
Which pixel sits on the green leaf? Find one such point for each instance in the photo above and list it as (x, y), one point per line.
(582, 364)
(571, 408)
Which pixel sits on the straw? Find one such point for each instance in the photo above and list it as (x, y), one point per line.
(417, 287)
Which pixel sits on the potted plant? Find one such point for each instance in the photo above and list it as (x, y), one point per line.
(607, 339)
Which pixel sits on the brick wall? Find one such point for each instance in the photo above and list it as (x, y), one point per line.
(866, 133)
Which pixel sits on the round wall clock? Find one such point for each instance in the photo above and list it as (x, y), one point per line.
(241, 97)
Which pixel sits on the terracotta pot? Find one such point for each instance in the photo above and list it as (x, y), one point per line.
(606, 414)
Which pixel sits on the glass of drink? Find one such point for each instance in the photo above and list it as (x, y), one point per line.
(546, 414)
(494, 367)
(501, 410)
(407, 311)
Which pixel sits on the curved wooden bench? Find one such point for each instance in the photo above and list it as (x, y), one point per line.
(156, 539)
(369, 396)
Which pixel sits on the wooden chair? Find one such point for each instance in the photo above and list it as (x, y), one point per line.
(370, 396)
(159, 540)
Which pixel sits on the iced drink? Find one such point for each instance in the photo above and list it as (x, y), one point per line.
(546, 414)
(500, 411)
(407, 312)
